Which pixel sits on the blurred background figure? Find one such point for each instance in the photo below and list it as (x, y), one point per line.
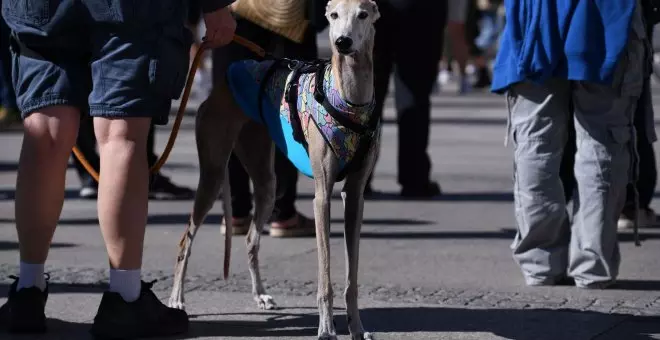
(409, 41)
(485, 22)
(8, 109)
(457, 12)
(472, 36)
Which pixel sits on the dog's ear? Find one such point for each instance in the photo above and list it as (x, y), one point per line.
(375, 15)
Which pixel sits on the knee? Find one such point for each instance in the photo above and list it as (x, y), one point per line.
(52, 131)
(122, 136)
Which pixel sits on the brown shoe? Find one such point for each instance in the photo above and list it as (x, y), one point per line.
(297, 226)
(240, 226)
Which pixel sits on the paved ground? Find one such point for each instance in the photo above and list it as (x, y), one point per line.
(437, 269)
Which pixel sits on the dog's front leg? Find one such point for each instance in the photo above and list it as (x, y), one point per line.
(353, 198)
(325, 294)
(325, 167)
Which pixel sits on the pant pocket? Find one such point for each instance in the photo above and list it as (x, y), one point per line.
(29, 12)
(168, 67)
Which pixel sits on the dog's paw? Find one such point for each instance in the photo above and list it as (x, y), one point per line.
(266, 302)
(327, 337)
(365, 336)
(176, 304)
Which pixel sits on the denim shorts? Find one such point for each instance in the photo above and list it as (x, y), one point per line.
(108, 58)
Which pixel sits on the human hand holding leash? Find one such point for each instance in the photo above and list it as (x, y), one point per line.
(220, 28)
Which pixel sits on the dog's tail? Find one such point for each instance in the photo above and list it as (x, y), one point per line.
(226, 204)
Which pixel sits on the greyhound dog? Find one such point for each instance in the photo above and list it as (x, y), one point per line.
(320, 115)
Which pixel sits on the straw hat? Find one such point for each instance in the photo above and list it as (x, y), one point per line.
(284, 17)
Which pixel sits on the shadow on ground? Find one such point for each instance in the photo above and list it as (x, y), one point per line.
(10, 245)
(216, 220)
(538, 324)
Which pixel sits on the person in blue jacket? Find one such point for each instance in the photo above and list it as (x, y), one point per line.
(121, 62)
(588, 58)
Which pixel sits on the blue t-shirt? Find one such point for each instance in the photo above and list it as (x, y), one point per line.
(570, 39)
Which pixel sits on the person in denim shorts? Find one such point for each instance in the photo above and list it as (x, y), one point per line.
(121, 62)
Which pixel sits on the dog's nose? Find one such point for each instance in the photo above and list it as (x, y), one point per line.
(344, 43)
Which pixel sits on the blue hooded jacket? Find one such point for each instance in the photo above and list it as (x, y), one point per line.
(570, 39)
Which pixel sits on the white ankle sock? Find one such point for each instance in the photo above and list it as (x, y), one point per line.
(31, 275)
(126, 283)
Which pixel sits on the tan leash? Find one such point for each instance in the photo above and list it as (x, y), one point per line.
(182, 108)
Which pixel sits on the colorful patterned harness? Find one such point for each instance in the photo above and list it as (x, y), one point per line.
(287, 95)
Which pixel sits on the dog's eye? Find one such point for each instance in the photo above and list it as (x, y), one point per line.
(334, 15)
(363, 15)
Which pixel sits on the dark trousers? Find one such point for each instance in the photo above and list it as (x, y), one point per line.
(86, 143)
(285, 172)
(7, 96)
(409, 38)
(648, 175)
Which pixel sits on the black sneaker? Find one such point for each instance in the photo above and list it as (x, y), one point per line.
(143, 318)
(484, 80)
(427, 190)
(162, 188)
(24, 310)
(89, 189)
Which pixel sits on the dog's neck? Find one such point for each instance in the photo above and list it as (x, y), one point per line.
(354, 76)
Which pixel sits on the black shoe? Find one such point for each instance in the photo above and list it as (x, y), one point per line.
(427, 190)
(143, 318)
(162, 188)
(484, 80)
(24, 309)
(90, 188)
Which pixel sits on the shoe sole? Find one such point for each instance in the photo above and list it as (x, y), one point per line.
(291, 232)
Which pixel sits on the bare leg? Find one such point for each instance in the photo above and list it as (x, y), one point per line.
(123, 188)
(49, 137)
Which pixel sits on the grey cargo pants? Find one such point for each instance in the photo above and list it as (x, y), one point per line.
(547, 247)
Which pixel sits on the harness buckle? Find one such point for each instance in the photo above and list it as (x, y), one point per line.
(292, 64)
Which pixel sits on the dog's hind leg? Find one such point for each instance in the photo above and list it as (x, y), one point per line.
(255, 150)
(213, 153)
(353, 198)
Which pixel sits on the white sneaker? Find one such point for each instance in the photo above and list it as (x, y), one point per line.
(647, 218)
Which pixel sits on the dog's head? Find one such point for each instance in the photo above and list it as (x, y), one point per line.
(351, 24)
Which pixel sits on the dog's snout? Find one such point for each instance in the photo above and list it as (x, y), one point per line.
(344, 43)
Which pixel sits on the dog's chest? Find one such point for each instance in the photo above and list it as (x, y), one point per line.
(313, 115)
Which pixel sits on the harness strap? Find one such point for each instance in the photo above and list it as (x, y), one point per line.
(366, 132)
(323, 100)
(291, 97)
